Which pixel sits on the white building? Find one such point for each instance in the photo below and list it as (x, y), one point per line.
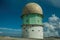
(32, 21)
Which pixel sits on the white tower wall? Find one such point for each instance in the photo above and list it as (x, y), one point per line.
(33, 32)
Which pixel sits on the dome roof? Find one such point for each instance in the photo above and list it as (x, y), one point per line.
(32, 8)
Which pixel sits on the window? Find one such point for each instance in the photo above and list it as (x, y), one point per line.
(26, 30)
(32, 25)
(32, 30)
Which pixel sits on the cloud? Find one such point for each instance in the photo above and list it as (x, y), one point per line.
(51, 26)
(10, 32)
(10, 29)
(53, 18)
(1, 32)
(50, 30)
(55, 3)
(47, 33)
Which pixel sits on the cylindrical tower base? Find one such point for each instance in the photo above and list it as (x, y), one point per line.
(33, 32)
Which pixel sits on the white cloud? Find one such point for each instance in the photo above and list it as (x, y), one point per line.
(10, 29)
(51, 25)
(56, 33)
(46, 24)
(53, 18)
(47, 33)
(50, 30)
(1, 32)
(10, 32)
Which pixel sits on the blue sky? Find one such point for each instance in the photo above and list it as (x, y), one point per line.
(11, 10)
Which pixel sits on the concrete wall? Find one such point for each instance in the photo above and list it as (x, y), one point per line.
(33, 32)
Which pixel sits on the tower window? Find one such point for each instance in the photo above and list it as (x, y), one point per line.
(32, 25)
(32, 30)
(26, 30)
